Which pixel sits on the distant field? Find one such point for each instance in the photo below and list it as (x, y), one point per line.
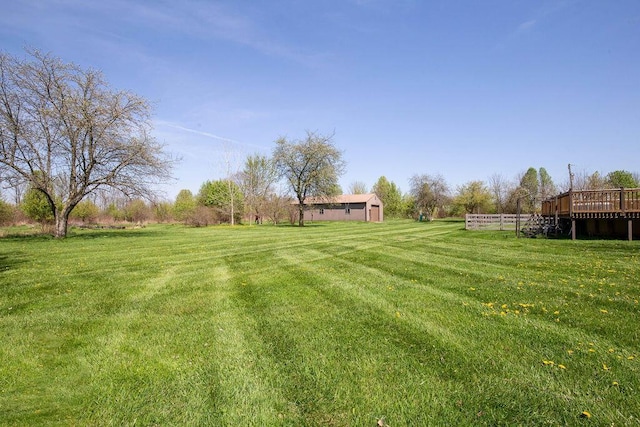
(332, 324)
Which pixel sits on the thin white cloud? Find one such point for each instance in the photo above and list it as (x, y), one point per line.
(203, 133)
(537, 19)
(527, 26)
(197, 132)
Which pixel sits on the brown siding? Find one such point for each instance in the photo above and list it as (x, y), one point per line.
(336, 213)
(343, 210)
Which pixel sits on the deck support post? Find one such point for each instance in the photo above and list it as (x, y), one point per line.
(630, 228)
(573, 229)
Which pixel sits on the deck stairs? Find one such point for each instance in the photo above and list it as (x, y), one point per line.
(538, 225)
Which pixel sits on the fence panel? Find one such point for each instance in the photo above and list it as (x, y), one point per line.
(500, 222)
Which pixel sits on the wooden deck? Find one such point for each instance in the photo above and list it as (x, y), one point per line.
(607, 205)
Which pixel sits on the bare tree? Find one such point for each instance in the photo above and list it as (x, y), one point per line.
(276, 207)
(66, 133)
(430, 193)
(358, 187)
(256, 180)
(310, 166)
(499, 188)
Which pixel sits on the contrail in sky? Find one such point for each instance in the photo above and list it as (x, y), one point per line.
(208, 134)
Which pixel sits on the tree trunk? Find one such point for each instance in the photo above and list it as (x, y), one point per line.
(62, 221)
(301, 215)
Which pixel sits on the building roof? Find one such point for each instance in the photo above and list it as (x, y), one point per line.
(343, 198)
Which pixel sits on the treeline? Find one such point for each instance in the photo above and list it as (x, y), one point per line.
(254, 194)
(246, 196)
(104, 208)
(431, 196)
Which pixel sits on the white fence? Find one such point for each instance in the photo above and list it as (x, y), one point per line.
(493, 221)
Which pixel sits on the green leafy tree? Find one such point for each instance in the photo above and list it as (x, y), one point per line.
(473, 197)
(7, 213)
(336, 190)
(35, 206)
(218, 196)
(310, 166)
(184, 207)
(408, 206)
(391, 197)
(527, 192)
(621, 178)
(115, 212)
(162, 211)
(86, 211)
(546, 188)
(137, 211)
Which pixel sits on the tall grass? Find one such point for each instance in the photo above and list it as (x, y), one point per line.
(331, 324)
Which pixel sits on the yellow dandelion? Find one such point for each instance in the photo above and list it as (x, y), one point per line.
(605, 367)
(556, 312)
(615, 383)
(591, 350)
(630, 357)
(570, 351)
(548, 362)
(585, 414)
(603, 311)
(611, 350)
(561, 366)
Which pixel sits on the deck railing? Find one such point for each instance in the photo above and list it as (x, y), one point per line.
(610, 201)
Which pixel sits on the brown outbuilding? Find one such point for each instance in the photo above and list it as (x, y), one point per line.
(346, 207)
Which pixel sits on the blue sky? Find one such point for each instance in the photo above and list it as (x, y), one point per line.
(465, 89)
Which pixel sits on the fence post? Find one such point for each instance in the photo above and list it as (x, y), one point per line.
(518, 218)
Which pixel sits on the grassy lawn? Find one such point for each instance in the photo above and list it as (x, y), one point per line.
(333, 324)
